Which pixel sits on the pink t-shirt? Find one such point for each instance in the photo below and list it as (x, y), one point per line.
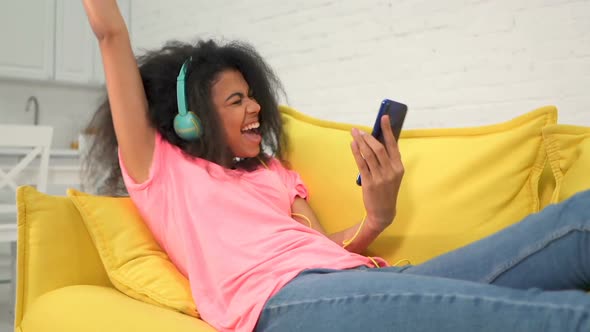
(231, 232)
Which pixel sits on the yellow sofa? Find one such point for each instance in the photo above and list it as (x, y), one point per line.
(460, 185)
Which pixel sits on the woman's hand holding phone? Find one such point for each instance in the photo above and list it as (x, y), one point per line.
(382, 170)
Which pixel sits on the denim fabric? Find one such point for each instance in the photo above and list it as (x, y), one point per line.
(528, 277)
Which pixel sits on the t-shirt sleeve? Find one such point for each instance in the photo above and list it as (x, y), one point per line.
(292, 181)
(160, 151)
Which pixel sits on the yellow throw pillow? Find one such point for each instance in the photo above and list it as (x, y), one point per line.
(568, 150)
(135, 263)
(460, 184)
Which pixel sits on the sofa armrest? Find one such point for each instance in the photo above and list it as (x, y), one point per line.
(54, 249)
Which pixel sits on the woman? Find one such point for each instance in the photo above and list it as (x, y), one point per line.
(195, 136)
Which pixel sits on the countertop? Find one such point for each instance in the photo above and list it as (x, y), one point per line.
(53, 153)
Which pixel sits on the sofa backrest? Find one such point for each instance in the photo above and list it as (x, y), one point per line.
(460, 184)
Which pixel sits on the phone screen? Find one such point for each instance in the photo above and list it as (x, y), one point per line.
(397, 114)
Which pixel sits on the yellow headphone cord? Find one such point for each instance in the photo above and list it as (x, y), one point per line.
(304, 217)
(263, 163)
(345, 243)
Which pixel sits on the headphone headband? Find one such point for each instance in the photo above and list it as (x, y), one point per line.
(180, 88)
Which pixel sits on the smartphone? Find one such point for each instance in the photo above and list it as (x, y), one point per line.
(397, 114)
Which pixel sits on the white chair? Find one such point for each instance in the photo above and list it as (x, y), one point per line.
(20, 146)
(30, 142)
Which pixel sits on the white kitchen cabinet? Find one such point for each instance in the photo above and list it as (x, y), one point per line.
(27, 38)
(52, 42)
(74, 57)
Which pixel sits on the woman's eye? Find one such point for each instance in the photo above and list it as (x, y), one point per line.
(238, 102)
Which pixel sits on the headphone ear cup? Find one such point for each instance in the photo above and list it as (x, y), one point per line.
(188, 126)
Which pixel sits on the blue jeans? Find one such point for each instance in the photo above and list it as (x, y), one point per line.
(528, 277)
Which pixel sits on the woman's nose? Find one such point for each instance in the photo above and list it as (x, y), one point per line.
(253, 107)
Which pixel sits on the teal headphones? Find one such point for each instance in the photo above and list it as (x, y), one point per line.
(186, 123)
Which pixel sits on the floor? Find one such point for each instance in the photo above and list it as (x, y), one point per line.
(5, 325)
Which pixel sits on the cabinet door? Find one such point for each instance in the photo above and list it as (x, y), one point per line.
(98, 70)
(73, 43)
(26, 36)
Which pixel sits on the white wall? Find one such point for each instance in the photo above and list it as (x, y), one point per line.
(454, 62)
(67, 108)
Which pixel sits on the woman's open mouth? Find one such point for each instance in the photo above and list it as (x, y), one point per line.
(252, 132)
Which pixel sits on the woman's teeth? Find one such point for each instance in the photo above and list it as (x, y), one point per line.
(251, 126)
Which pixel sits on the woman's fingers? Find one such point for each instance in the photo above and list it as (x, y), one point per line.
(360, 161)
(367, 153)
(378, 149)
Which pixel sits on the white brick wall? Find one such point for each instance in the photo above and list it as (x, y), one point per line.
(454, 62)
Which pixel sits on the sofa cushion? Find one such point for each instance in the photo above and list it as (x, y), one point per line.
(100, 309)
(460, 184)
(546, 186)
(135, 263)
(568, 150)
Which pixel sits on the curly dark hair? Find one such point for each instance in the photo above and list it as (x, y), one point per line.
(159, 69)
